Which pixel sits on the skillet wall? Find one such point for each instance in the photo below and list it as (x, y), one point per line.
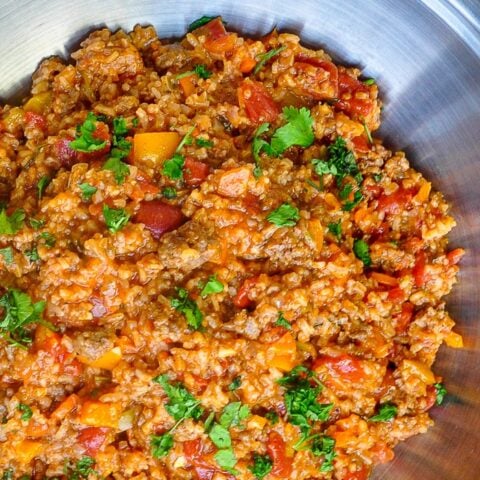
(425, 55)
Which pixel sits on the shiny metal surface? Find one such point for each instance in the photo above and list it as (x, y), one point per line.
(425, 55)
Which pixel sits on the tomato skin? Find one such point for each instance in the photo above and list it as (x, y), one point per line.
(276, 449)
(347, 87)
(454, 256)
(258, 103)
(404, 318)
(361, 144)
(36, 120)
(194, 451)
(344, 367)
(396, 295)
(419, 270)
(218, 39)
(241, 299)
(92, 438)
(65, 154)
(431, 397)
(159, 217)
(195, 172)
(396, 202)
(358, 475)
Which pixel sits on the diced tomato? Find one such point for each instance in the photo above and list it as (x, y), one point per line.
(455, 256)
(361, 474)
(195, 453)
(317, 78)
(242, 299)
(195, 172)
(404, 318)
(343, 367)
(396, 202)
(431, 397)
(348, 87)
(36, 120)
(146, 184)
(382, 453)
(276, 449)
(396, 295)
(218, 39)
(159, 217)
(419, 270)
(66, 155)
(361, 143)
(92, 438)
(258, 103)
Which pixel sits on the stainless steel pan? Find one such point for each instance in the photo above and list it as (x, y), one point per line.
(425, 54)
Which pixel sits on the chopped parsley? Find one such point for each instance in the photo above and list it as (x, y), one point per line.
(26, 412)
(32, 254)
(301, 399)
(7, 254)
(272, 417)
(236, 383)
(115, 218)
(362, 251)
(120, 169)
(233, 414)
(184, 304)
(169, 193)
(369, 81)
(36, 224)
(85, 141)
(259, 144)
(213, 285)
(81, 470)
(386, 412)
(262, 466)
(18, 312)
(11, 224)
(368, 133)
(87, 190)
(8, 474)
(351, 204)
(200, 70)
(324, 446)
(42, 185)
(377, 177)
(120, 150)
(203, 142)
(49, 239)
(173, 167)
(283, 322)
(265, 57)
(345, 191)
(200, 22)
(335, 229)
(441, 391)
(285, 215)
(161, 444)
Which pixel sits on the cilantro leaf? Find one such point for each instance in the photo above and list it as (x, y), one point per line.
(377, 177)
(169, 192)
(120, 169)
(226, 459)
(87, 190)
(203, 142)
(212, 286)
(120, 128)
(115, 218)
(49, 239)
(272, 417)
(184, 304)
(235, 385)
(362, 251)
(262, 466)
(202, 71)
(265, 57)
(161, 444)
(181, 403)
(220, 436)
(85, 141)
(283, 322)
(11, 224)
(351, 204)
(36, 224)
(324, 446)
(26, 412)
(82, 470)
(200, 22)
(441, 392)
(298, 130)
(32, 254)
(386, 412)
(259, 144)
(173, 167)
(7, 254)
(335, 229)
(42, 185)
(18, 312)
(285, 215)
(233, 414)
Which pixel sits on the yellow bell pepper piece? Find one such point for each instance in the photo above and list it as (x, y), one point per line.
(158, 146)
(107, 361)
(38, 103)
(100, 414)
(27, 450)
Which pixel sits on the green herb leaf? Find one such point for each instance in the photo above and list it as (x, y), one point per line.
(298, 130)
(368, 133)
(283, 322)
(321, 167)
(120, 169)
(85, 141)
(235, 385)
(208, 422)
(135, 122)
(120, 128)
(345, 191)
(83, 469)
(18, 312)
(233, 414)
(173, 167)
(369, 81)
(441, 392)
(272, 417)
(8, 474)
(226, 459)
(202, 71)
(49, 239)
(42, 185)
(26, 412)
(203, 142)
(324, 446)
(184, 304)
(362, 251)
(212, 286)
(36, 224)
(265, 57)
(161, 444)
(351, 204)
(11, 224)
(262, 466)
(200, 22)
(335, 229)
(32, 254)
(87, 190)
(186, 140)
(386, 412)
(220, 436)
(377, 177)
(285, 215)
(181, 403)
(169, 193)
(259, 144)
(7, 254)
(115, 218)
